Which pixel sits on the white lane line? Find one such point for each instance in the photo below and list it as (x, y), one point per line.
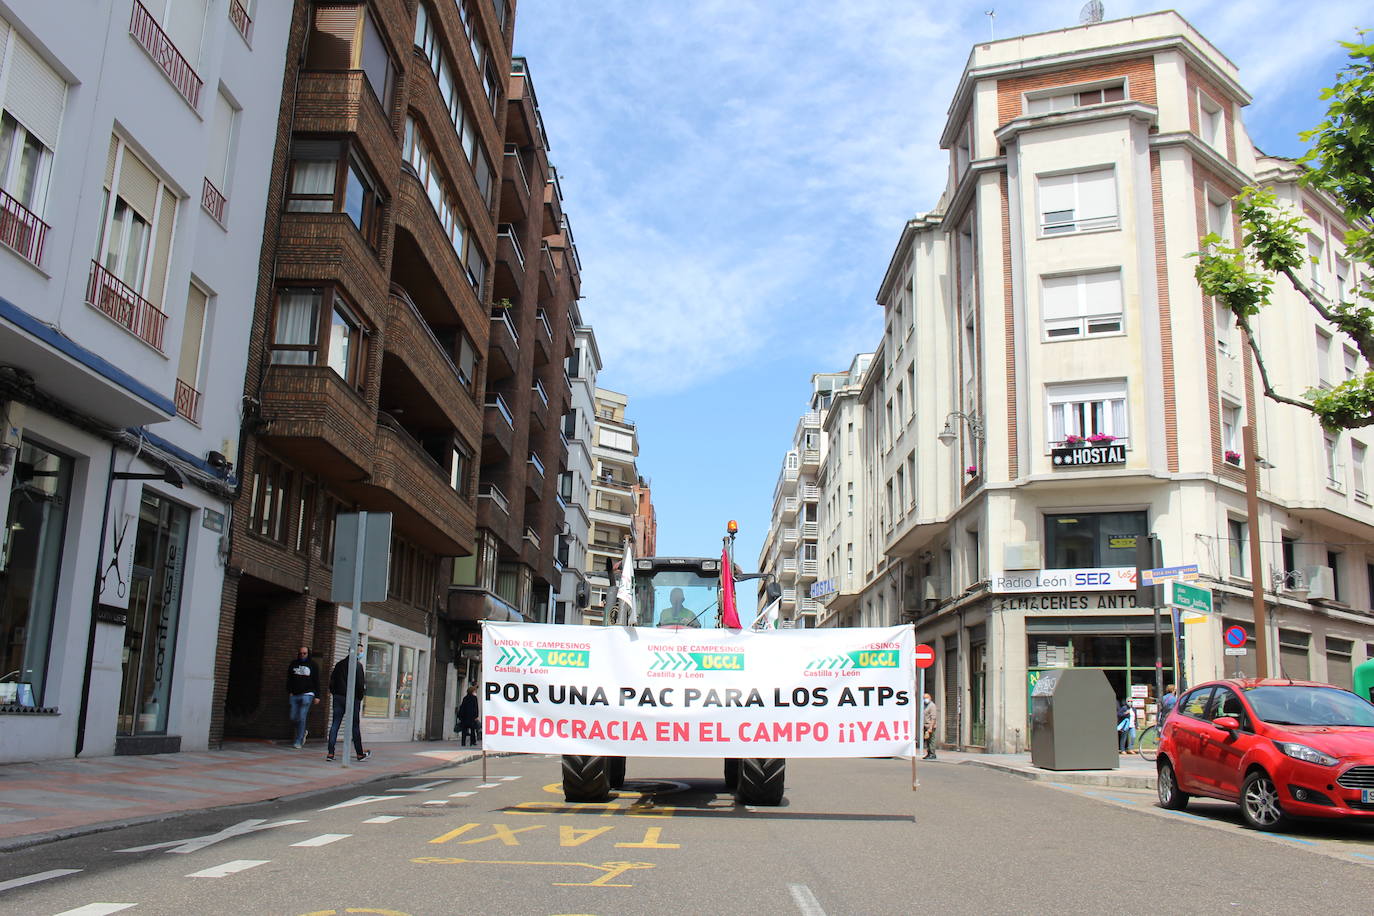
(35, 878)
(509, 778)
(805, 900)
(360, 800)
(487, 785)
(323, 839)
(382, 819)
(97, 909)
(439, 801)
(228, 868)
(422, 788)
(461, 794)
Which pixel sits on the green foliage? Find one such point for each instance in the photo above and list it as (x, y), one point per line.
(1349, 405)
(1342, 155)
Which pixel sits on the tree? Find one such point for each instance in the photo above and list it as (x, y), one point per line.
(1341, 164)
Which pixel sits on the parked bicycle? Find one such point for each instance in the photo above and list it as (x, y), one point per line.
(1147, 743)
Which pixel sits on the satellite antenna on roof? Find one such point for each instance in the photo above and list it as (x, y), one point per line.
(1091, 12)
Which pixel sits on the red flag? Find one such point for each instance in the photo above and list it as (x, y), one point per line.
(729, 616)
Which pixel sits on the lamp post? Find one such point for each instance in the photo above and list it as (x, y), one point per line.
(975, 431)
(1252, 460)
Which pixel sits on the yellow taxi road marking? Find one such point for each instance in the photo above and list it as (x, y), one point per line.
(499, 832)
(608, 870)
(650, 841)
(571, 836)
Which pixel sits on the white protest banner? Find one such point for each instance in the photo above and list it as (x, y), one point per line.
(642, 692)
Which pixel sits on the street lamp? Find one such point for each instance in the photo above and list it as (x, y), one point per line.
(975, 427)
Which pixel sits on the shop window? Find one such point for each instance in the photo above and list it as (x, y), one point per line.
(406, 671)
(377, 669)
(158, 573)
(1088, 539)
(305, 333)
(31, 564)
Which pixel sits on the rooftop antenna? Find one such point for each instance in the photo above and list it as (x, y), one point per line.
(1091, 12)
(992, 24)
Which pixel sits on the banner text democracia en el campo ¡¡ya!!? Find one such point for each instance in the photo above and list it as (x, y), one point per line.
(641, 692)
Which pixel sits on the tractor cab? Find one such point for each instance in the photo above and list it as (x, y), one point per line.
(677, 591)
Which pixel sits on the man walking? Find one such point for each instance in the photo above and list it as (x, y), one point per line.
(468, 719)
(929, 717)
(303, 689)
(338, 690)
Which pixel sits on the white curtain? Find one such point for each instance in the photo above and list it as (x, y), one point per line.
(297, 318)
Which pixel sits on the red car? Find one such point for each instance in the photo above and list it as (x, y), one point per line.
(1279, 748)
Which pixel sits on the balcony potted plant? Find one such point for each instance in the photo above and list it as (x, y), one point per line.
(1233, 457)
(1073, 440)
(971, 470)
(1101, 439)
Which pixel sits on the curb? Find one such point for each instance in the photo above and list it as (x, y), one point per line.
(1107, 778)
(67, 833)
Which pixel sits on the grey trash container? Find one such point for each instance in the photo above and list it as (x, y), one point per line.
(1073, 721)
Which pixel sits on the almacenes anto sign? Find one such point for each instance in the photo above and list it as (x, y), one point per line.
(699, 693)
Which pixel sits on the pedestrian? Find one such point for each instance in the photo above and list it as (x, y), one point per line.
(1125, 726)
(468, 719)
(1167, 702)
(930, 714)
(303, 690)
(338, 690)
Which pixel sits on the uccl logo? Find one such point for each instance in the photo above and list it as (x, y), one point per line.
(697, 661)
(863, 658)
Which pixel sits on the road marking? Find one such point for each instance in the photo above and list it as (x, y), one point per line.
(195, 844)
(650, 841)
(360, 800)
(571, 836)
(382, 819)
(608, 870)
(461, 794)
(509, 778)
(487, 785)
(422, 788)
(1293, 839)
(1361, 855)
(805, 900)
(34, 879)
(323, 839)
(228, 868)
(97, 909)
(437, 801)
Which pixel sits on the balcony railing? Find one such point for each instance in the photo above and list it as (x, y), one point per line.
(535, 463)
(21, 229)
(135, 314)
(503, 315)
(532, 537)
(539, 392)
(513, 153)
(149, 34)
(187, 401)
(507, 231)
(498, 404)
(492, 492)
(542, 317)
(241, 20)
(811, 493)
(213, 200)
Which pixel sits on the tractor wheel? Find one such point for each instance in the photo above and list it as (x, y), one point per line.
(761, 781)
(731, 773)
(584, 779)
(615, 772)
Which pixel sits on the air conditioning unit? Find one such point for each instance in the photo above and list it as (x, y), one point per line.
(1021, 555)
(932, 589)
(1320, 583)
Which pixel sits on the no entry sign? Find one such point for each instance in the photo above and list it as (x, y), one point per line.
(925, 656)
(1235, 636)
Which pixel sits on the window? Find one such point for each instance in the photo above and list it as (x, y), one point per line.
(1351, 362)
(445, 75)
(1333, 560)
(1081, 305)
(325, 178)
(1235, 546)
(184, 23)
(1339, 664)
(1195, 703)
(377, 666)
(1358, 453)
(1061, 99)
(1333, 467)
(1078, 202)
(850, 497)
(1226, 703)
(1316, 250)
(1092, 539)
(136, 224)
(344, 37)
(222, 124)
(1087, 410)
(616, 439)
(305, 515)
(188, 366)
(444, 201)
(1323, 359)
(459, 466)
(1211, 122)
(1230, 428)
(271, 492)
(1218, 215)
(1342, 279)
(306, 333)
(1294, 658)
(34, 99)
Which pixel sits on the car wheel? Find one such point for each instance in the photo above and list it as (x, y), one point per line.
(1167, 783)
(1259, 802)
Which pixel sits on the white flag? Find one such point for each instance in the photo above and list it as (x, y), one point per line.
(768, 617)
(625, 593)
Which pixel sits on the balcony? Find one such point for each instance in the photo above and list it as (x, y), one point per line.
(811, 459)
(491, 493)
(789, 571)
(325, 247)
(415, 488)
(811, 530)
(21, 230)
(149, 35)
(241, 20)
(789, 508)
(188, 402)
(126, 308)
(531, 537)
(534, 476)
(213, 200)
(316, 420)
(789, 535)
(553, 204)
(510, 264)
(788, 481)
(811, 419)
(341, 102)
(548, 272)
(789, 597)
(810, 606)
(810, 493)
(543, 338)
(503, 352)
(515, 185)
(498, 428)
(809, 570)
(419, 373)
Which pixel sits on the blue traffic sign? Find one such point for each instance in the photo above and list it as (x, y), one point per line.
(1235, 636)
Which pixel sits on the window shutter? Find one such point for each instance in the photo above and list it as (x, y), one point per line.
(332, 40)
(188, 369)
(162, 247)
(1096, 194)
(376, 62)
(1056, 194)
(1059, 298)
(138, 186)
(110, 161)
(1102, 292)
(34, 93)
(221, 135)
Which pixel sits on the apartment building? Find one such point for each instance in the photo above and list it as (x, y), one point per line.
(575, 483)
(846, 563)
(1052, 387)
(622, 502)
(135, 147)
(370, 353)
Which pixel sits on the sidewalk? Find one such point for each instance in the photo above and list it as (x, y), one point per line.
(1135, 772)
(53, 799)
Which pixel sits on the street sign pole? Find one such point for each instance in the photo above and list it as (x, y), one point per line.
(1147, 555)
(352, 656)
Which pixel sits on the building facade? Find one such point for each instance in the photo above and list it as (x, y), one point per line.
(575, 485)
(845, 553)
(1052, 389)
(135, 148)
(622, 504)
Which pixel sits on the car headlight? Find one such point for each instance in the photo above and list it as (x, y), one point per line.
(1306, 754)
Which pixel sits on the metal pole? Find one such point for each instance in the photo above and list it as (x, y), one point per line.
(352, 658)
(1256, 581)
(921, 705)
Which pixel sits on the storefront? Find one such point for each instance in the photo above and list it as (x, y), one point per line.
(395, 668)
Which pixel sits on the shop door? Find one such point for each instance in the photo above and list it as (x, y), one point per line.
(977, 694)
(154, 613)
(951, 697)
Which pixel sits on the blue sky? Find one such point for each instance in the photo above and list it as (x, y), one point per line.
(737, 173)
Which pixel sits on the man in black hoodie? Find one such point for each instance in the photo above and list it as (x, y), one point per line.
(303, 687)
(338, 689)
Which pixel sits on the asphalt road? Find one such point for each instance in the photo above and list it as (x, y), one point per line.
(852, 837)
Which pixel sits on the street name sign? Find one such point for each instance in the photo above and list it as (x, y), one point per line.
(1165, 573)
(1189, 597)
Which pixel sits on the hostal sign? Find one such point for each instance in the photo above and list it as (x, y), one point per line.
(1080, 455)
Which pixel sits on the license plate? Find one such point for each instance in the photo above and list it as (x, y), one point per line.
(1367, 796)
